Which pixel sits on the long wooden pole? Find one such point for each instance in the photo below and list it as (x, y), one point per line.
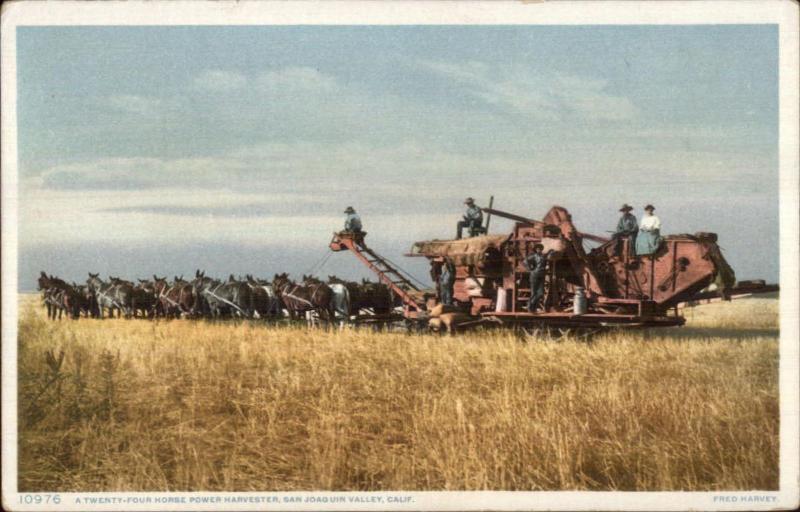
(532, 222)
(489, 215)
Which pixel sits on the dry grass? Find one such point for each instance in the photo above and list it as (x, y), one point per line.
(178, 405)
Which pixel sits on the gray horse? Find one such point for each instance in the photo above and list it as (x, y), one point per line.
(116, 295)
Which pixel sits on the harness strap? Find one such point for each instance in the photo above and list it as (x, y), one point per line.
(165, 295)
(315, 292)
(290, 295)
(209, 292)
(103, 294)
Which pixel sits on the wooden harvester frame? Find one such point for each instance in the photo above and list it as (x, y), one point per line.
(622, 290)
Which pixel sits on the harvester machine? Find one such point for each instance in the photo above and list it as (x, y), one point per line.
(607, 285)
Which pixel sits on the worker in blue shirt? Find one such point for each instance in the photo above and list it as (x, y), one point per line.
(627, 227)
(446, 281)
(536, 263)
(473, 219)
(353, 221)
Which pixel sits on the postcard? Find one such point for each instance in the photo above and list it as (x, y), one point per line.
(400, 255)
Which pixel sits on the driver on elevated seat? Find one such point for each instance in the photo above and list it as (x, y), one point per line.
(353, 222)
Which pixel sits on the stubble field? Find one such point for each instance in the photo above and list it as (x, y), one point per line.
(183, 405)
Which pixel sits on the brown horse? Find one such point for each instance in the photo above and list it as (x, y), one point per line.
(368, 295)
(264, 302)
(312, 296)
(378, 297)
(144, 298)
(59, 297)
(175, 300)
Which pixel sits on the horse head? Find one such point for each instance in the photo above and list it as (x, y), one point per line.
(94, 281)
(43, 281)
(335, 280)
(281, 280)
(309, 279)
(159, 283)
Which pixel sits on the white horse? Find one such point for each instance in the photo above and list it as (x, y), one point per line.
(340, 303)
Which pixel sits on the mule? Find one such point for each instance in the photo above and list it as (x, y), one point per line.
(144, 298)
(114, 296)
(176, 300)
(218, 299)
(52, 289)
(264, 301)
(311, 297)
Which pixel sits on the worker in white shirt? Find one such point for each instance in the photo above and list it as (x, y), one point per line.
(649, 237)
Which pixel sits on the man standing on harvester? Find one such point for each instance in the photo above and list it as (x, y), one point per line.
(446, 281)
(473, 219)
(536, 263)
(627, 227)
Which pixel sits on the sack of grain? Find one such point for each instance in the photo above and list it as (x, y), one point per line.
(439, 309)
(450, 321)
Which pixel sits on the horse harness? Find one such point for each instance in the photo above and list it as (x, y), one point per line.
(165, 295)
(103, 294)
(209, 292)
(295, 297)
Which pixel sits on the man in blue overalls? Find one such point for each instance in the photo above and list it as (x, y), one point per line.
(536, 263)
(446, 281)
(627, 227)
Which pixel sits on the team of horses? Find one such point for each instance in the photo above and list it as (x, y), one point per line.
(205, 297)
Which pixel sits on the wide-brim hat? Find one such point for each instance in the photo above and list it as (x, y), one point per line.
(626, 208)
(650, 207)
(349, 209)
(469, 200)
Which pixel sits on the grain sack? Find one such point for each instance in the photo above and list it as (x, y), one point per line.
(467, 251)
(443, 308)
(451, 320)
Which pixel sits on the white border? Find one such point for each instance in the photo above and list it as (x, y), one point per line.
(784, 13)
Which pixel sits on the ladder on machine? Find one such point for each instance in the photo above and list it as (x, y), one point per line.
(387, 274)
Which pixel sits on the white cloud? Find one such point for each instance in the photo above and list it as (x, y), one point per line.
(549, 97)
(134, 104)
(219, 80)
(292, 79)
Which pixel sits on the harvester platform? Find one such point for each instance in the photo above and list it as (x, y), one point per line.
(413, 298)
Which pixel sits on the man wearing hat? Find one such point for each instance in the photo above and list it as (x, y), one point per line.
(649, 237)
(536, 263)
(627, 227)
(473, 219)
(353, 221)
(447, 280)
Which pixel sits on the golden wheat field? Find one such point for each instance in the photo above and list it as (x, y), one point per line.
(185, 405)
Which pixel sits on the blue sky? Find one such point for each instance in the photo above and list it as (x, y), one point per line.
(180, 146)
